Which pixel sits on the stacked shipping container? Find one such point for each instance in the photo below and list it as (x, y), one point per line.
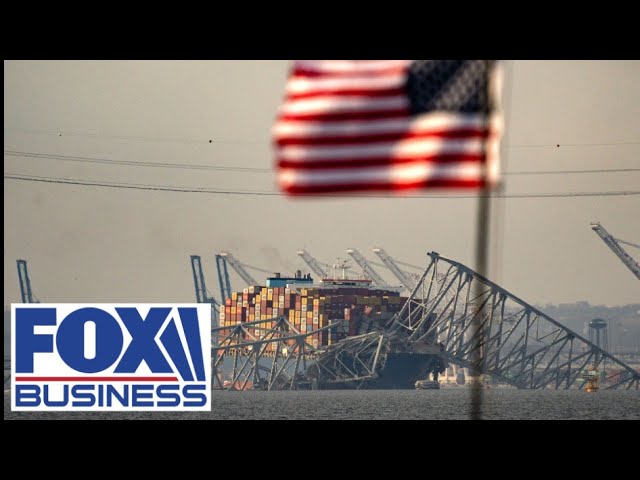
(309, 309)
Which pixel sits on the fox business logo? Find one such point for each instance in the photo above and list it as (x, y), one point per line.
(113, 357)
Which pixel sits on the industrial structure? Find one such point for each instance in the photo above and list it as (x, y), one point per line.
(238, 267)
(516, 343)
(202, 294)
(367, 269)
(292, 334)
(314, 265)
(26, 294)
(223, 278)
(598, 334)
(393, 267)
(226, 258)
(614, 245)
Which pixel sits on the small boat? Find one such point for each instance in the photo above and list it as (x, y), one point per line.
(591, 379)
(427, 385)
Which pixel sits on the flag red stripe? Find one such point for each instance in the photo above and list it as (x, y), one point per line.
(362, 115)
(384, 161)
(397, 187)
(452, 133)
(381, 92)
(300, 71)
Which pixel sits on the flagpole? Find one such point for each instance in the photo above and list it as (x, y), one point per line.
(482, 264)
(482, 254)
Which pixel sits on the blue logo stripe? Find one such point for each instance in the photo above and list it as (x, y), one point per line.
(189, 317)
(143, 345)
(171, 341)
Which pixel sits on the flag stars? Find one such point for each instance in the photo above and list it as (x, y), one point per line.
(450, 85)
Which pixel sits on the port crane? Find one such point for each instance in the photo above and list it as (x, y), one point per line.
(202, 294)
(223, 278)
(239, 268)
(614, 245)
(313, 264)
(26, 294)
(408, 282)
(366, 267)
(198, 280)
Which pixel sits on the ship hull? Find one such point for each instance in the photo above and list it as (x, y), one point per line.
(400, 371)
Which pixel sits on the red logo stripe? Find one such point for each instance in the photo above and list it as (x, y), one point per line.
(96, 379)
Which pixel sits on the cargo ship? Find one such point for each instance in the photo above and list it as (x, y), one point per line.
(309, 306)
(355, 307)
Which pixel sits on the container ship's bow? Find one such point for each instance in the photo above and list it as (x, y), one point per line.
(377, 360)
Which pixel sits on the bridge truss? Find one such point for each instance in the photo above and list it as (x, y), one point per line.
(264, 357)
(516, 343)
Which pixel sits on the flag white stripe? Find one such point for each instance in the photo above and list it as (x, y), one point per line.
(349, 66)
(396, 174)
(493, 159)
(395, 149)
(312, 84)
(427, 121)
(343, 103)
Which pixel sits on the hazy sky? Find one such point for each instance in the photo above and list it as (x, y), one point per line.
(95, 244)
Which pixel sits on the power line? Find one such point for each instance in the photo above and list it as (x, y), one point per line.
(628, 243)
(170, 188)
(555, 172)
(82, 159)
(410, 265)
(258, 269)
(558, 145)
(141, 138)
(134, 186)
(186, 166)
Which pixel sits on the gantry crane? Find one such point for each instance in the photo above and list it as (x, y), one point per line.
(313, 264)
(223, 278)
(366, 267)
(202, 295)
(408, 282)
(614, 245)
(198, 280)
(239, 268)
(25, 284)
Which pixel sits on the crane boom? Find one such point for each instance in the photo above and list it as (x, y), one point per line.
(202, 296)
(313, 264)
(408, 282)
(25, 284)
(198, 279)
(223, 278)
(613, 244)
(368, 269)
(239, 268)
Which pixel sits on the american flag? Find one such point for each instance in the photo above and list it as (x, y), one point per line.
(361, 125)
